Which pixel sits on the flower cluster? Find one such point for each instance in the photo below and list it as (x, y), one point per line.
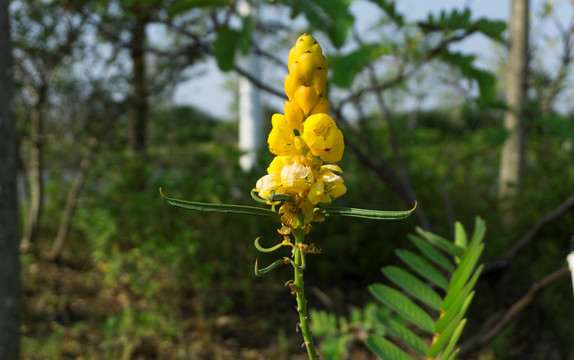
(303, 139)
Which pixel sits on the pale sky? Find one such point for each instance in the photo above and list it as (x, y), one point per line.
(208, 93)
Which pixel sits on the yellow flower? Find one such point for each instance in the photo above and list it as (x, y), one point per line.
(282, 137)
(328, 185)
(323, 137)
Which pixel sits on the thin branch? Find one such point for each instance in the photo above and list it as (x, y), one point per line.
(519, 306)
(505, 261)
(259, 83)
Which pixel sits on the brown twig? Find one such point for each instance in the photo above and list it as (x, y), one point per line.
(519, 306)
(505, 261)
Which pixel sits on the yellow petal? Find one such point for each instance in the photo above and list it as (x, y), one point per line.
(322, 106)
(293, 114)
(306, 97)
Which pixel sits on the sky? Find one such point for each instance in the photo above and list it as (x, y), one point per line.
(209, 94)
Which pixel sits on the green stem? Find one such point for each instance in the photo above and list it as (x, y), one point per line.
(300, 294)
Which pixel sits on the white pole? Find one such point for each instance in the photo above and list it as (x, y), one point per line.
(570, 259)
(250, 123)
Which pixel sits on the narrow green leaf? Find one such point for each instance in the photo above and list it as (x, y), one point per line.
(465, 270)
(367, 214)
(432, 253)
(454, 293)
(385, 349)
(458, 307)
(454, 355)
(423, 268)
(460, 238)
(414, 286)
(444, 338)
(448, 351)
(478, 233)
(399, 330)
(256, 197)
(220, 208)
(261, 272)
(441, 242)
(224, 48)
(403, 305)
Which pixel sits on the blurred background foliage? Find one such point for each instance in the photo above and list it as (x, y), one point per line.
(111, 271)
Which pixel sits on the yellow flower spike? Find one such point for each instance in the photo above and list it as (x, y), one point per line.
(306, 97)
(293, 114)
(322, 107)
(323, 137)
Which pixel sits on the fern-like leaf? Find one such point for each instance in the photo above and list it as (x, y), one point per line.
(425, 297)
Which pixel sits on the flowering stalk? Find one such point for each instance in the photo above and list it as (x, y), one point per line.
(302, 179)
(300, 293)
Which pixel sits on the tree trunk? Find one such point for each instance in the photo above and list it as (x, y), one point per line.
(513, 150)
(9, 217)
(138, 120)
(72, 201)
(35, 170)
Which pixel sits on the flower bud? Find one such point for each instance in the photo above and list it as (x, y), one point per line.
(306, 97)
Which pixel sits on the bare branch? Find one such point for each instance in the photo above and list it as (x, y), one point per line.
(519, 306)
(506, 260)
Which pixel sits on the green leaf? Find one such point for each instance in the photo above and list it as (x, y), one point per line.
(399, 330)
(330, 16)
(385, 349)
(220, 208)
(448, 351)
(441, 242)
(344, 68)
(367, 214)
(432, 253)
(414, 286)
(388, 6)
(245, 36)
(494, 29)
(184, 5)
(224, 48)
(423, 268)
(459, 306)
(465, 270)
(479, 232)
(465, 63)
(460, 238)
(403, 305)
(261, 272)
(454, 293)
(445, 337)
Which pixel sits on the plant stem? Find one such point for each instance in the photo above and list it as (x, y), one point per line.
(300, 294)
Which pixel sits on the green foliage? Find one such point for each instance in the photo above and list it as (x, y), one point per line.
(389, 7)
(461, 20)
(224, 48)
(451, 307)
(330, 16)
(465, 63)
(344, 68)
(180, 6)
(338, 333)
